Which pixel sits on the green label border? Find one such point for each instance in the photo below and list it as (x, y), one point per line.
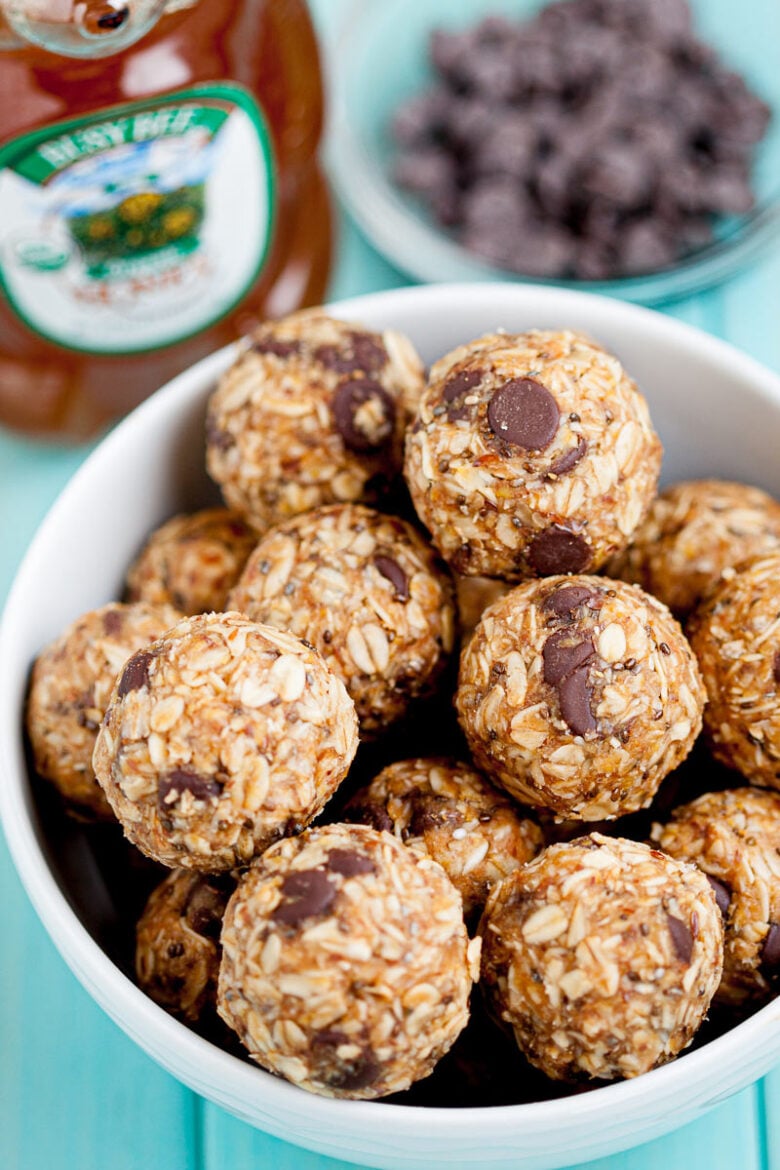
(219, 91)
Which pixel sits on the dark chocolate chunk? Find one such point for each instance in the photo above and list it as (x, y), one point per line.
(277, 347)
(558, 550)
(358, 1072)
(216, 437)
(566, 599)
(722, 894)
(113, 622)
(460, 384)
(574, 696)
(524, 413)
(306, 893)
(390, 569)
(346, 404)
(430, 811)
(682, 939)
(770, 952)
(570, 458)
(363, 354)
(563, 653)
(175, 950)
(776, 667)
(180, 780)
(135, 674)
(374, 815)
(349, 863)
(205, 909)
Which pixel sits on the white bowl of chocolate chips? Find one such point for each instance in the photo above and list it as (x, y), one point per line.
(717, 413)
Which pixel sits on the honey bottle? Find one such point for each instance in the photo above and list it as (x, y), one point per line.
(159, 193)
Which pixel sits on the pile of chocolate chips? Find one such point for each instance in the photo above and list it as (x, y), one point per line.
(600, 139)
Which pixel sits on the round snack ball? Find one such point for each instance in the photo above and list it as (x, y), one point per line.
(192, 562)
(346, 965)
(70, 687)
(735, 635)
(734, 837)
(532, 454)
(579, 694)
(603, 956)
(367, 592)
(221, 737)
(177, 942)
(692, 533)
(312, 412)
(446, 810)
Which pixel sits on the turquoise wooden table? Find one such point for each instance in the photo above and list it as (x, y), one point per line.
(75, 1092)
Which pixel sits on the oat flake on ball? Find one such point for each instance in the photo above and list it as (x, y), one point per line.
(220, 738)
(312, 412)
(578, 695)
(532, 454)
(346, 965)
(603, 956)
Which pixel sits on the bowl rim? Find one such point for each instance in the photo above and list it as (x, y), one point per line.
(410, 240)
(175, 1046)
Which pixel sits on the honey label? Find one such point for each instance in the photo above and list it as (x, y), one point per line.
(138, 226)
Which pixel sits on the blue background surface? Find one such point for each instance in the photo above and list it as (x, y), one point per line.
(75, 1092)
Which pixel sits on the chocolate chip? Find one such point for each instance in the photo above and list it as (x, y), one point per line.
(181, 780)
(776, 667)
(558, 550)
(276, 346)
(430, 811)
(363, 353)
(570, 458)
(113, 622)
(722, 894)
(357, 1072)
(135, 675)
(770, 952)
(682, 939)
(566, 599)
(374, 815)
(524, 413)
(346, 404)
(395, 575)
(216, 437)
(205, 909)
(306, 893)
(349, 863)
(455, 391)
(574, 696)
(563, 653)
(175, 950)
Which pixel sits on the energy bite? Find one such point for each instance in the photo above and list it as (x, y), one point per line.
(445, 809)
(70, 687)
(177, 942)
(602, 955)
(735, 635)
(367, 592)
(578, 695)
(693, 532)
(346, 965)
(734, 838)
(193, 561)
(221, 737)
(532, 454)
(313, 411)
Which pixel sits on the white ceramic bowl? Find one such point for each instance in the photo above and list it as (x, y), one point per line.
(718, 412)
